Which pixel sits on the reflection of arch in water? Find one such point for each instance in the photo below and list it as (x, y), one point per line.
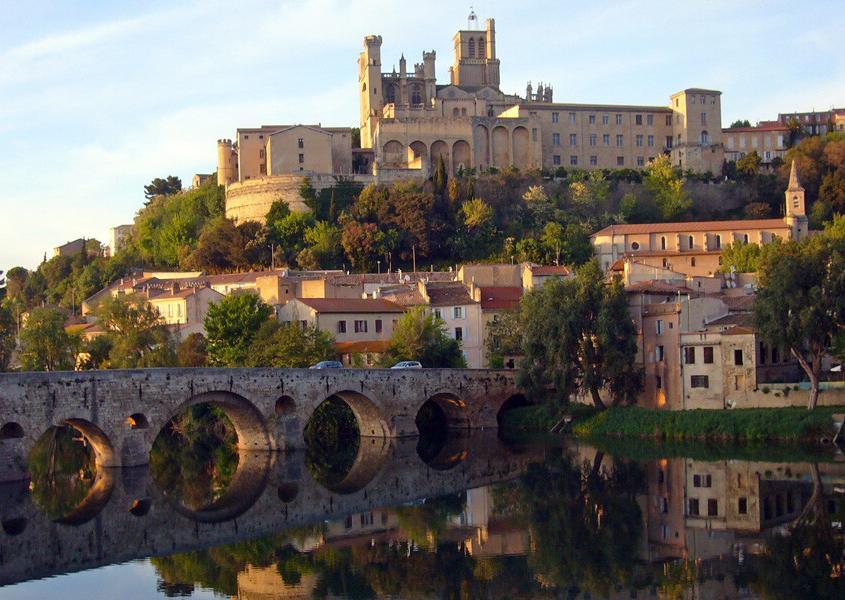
(368, 462)
(287, 491)
(371, 422)
(246, 487)
(140, 507)
(515, 401)
(93, 502)
(249, 424)
(100, 443)
(14, 526)
(444, 451)
(10, 431)
(453, 408)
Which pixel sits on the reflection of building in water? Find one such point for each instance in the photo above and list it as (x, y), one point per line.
(265, 583)
(491, 534)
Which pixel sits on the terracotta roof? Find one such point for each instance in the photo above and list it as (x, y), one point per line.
(352, 305)
(545, 270)
(361, 347)
(632, 228)
(448, 295)
(493, 298)
(406, 295)
(393, 277)
(655, 286)
(738, 303)
(732, 319)
(618, 265)
(762, 126)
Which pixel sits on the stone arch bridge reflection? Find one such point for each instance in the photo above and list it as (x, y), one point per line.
(126, 516)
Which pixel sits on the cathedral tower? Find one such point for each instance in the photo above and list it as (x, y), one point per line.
(475, 56)
(369, 82)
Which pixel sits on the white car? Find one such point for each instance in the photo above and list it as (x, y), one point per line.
(407, 364)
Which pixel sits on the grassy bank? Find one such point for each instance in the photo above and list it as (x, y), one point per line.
(753, 424)
(539, 418)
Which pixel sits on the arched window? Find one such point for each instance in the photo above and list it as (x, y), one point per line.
(705, 137)
(745, 238)
(391, 94)
(718, 242)
(482, 50)
(472, 47)
(456, 112)
(416, 95)
(690, 240)
(663, 242)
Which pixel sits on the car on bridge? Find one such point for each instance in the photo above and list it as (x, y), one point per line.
(407, 364)
(327, 364)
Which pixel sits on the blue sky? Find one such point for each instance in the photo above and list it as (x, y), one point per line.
(99, 97)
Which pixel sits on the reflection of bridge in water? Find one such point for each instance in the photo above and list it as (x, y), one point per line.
(125, 516)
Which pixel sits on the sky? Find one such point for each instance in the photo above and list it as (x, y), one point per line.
(99, 97)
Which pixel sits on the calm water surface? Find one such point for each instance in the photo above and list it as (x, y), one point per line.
(460, 517)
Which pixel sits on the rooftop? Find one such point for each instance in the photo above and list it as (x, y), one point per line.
(500, 298)
(635, 228)
(351, 305)
(448, 295)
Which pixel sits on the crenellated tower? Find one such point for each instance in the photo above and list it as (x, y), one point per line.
(369, 82)
(475, 56)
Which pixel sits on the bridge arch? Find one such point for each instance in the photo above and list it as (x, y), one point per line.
(371, 421)
(104, 454)
(452, 410)
(137, 421)
(11, 430)
(14, 526)
(249, 423)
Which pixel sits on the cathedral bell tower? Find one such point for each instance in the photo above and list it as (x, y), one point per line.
(796, 215)
(475, 55)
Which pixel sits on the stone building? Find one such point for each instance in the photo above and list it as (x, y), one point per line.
(768, 139)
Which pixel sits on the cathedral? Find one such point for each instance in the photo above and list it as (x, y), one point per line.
(409, 122)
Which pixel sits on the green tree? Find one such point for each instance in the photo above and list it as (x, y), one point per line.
(45, 345)
(740, 123)
(8, 331)
(163, 187)
(324, 245)
(740, 257)
(139, 336)
(477, 230)
(219, 248)
(288, 233)
(568, 245)
(231, 325)
(749, 165)
(666, 185)
(800, 302)
(579, 337)
(419, 335)
(287, 345)
(365, 243)
(192, 351)
(832, 189)
(504, 338)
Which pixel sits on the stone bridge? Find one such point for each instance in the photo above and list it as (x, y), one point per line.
(125, 516)
(121, 412)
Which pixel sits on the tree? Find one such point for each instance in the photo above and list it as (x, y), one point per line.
(749, 165)
(419, 335)
(477, 229)
(440, 177)
(667, 187)
(45, 345)
(231, 325)
(192, 351)
(289, 346)
(569, 245)
(579, 337)
(324, 245)
(800, 303)
(504, 338)
(8, 330)
(139, 335)
(740, 123)
(288, 233)
(832, 189)
(364, 243)
(740, 257)
(219, 248)
(163, 187)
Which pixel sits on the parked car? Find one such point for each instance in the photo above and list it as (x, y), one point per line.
(327, 364)
(407, 364)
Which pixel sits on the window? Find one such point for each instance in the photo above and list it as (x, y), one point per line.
(745, 238)
(458, 312)
(651, 141)
(699, 381)
(471, 48)
(572, 118)
(378, 325)
(690, 242)
(262, 169)
(592, 119)
(708, 355)
(640, 161)
(556, 159)
(620, 161)
(605, 119)
(669, 141)
(618, 119)
(347, 522)
(704, 118)
(738, 356)
(718, 242)
(593, 139)
(533, 134)
(635, 245)
(438, 314)
(638, 119)
(775, 355)
(605, 139)
(689, 355)
(658, 326)
(459, 333)
(482, 51)
(663, 242)
(658, 382)
(658, 354)
(360, 326)
(669, 117)
(300, 143)
(705, 137)
(573, 139)
(742, 506)
(573, 160)
(555, 139)
(261, 153)
(594, 161)
(649, 120)
(341, 326)
(692, 264)
(692, 99)
(712, 507)
(704, 99)
(693, 507)
(639, 140)
(555, 117)
(301, 158)
(620, 140)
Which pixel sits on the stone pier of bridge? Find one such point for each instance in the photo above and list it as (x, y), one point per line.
(120, 412)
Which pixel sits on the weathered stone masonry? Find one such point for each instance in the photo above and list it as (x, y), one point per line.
(121, 412)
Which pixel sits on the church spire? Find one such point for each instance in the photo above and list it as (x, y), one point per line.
(794, 184)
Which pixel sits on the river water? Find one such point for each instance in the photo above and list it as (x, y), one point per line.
(456, 517)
